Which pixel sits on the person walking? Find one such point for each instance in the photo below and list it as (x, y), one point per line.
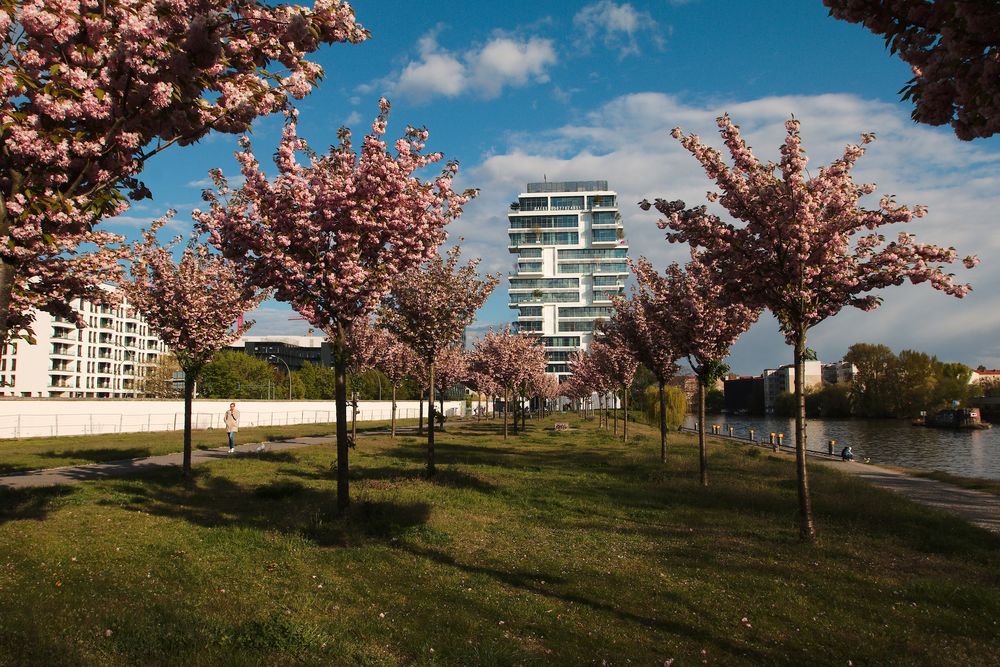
(232, 420)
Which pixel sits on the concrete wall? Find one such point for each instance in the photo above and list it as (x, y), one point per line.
(25, 418)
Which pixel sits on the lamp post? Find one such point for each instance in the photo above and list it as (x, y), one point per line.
(287, 370)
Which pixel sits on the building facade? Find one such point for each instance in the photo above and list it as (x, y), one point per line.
(106, 359)
(570, 246)
(293, 350)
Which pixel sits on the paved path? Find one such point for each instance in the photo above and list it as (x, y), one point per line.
(90, 471)
(978, 508)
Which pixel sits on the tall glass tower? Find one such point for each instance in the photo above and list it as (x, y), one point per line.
(571, 248)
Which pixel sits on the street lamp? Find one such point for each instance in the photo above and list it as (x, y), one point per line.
(287, 370)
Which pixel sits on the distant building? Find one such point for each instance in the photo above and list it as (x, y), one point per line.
(839, 372)
(984, 376)
(293, 350)
(744, 395)
(571, 248)
(107, 359)
(780, 380)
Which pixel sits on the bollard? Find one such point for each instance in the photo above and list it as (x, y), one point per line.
(781, 439)
(752, 438)
(831, 445)
(774, 443)
(731, 431)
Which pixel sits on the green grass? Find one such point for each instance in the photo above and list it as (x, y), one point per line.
(974, 483)
(17, 455)
(550, 548)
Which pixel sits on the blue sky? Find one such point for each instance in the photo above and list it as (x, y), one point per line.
(518, 90)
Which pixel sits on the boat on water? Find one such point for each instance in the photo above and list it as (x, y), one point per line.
(961, 419)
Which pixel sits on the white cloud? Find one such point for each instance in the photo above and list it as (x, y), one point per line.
(483, 71)
(627, 142)
(206, 182)
(617, 26)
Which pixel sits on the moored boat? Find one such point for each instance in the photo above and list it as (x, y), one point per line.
(961, 419)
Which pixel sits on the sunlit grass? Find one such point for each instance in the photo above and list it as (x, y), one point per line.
(549, 548)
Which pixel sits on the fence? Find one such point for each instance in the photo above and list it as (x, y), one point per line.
(47, 417)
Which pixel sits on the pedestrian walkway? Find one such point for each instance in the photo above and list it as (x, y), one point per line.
(125, 468)
(978, 508)
(91, 471)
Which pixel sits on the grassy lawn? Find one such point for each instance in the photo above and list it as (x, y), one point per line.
(551, 548)
(36, 453)
(976, 484)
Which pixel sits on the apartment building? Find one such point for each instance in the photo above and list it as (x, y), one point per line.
(106, 359)
(570, 246)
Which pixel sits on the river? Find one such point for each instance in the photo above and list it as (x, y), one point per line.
(889, 441)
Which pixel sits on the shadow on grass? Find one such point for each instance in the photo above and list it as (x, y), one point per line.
(532, 582)
(387, 476)
(286, 506)
(32, 503)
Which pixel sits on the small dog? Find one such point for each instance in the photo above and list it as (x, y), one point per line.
(261, 448)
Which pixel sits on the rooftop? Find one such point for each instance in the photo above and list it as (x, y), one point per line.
(567, 186)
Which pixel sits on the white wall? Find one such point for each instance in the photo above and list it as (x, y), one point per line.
(25, 418)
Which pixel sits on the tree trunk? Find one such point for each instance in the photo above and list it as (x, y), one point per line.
(6, 286)
(506, 407)
(624, 414)
(430, 420)
(441, 403)
(614, 409)
(524, 409)
(420, 419)
(189, 379)
(663, 422)
(479, 406)
(702, 452)
(392, 424)
(807, 529)
(340, 398)
(354, 417)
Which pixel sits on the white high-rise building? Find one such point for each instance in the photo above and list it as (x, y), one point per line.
(104, 360)
(571, 248)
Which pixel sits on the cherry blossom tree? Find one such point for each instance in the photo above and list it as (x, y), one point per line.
(429, 308)
(616, 362)
(451, 366)
(368, 342)
(953, 47)
(546, 388)
(508, 359)
(704, 321)
(331, 236)
(806, 247)
(192, 305)
(397, 363)
(638, 326)
(93, 90)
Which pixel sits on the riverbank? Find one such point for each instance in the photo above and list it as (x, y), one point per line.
(549, 548)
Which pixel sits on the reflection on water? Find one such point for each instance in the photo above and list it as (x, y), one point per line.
(890, 441)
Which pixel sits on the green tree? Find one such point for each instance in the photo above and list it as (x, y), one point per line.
(829, 401)
(953, 383)
(871, 390)
(914, 382)
(318, 382)
(785, 405)
(676, 401)
(715, 401)
(233, 374)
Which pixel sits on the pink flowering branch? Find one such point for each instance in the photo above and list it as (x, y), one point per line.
(953, 49)
(91, 91)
